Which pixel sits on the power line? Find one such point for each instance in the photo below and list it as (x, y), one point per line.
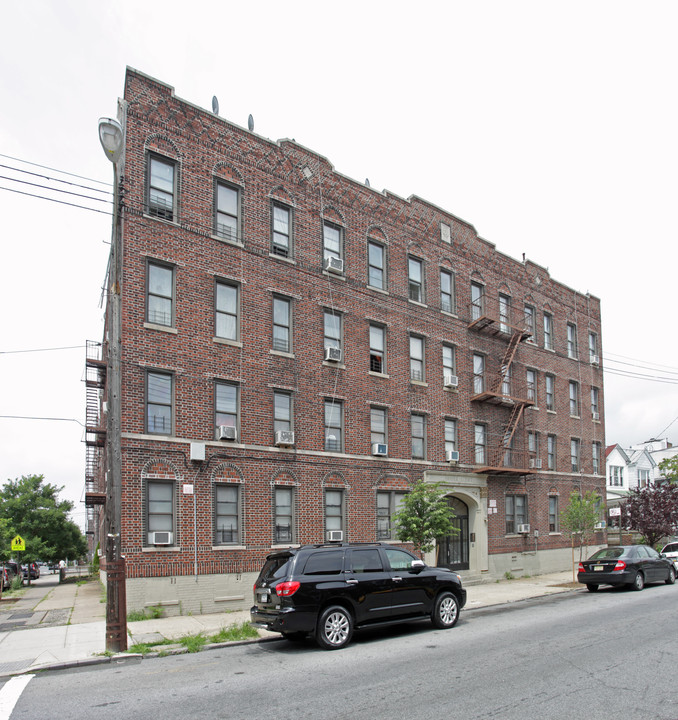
(63, 172)
(54, 179)
(51, 419)
(61, 202)
(51, 189)
(15, 352)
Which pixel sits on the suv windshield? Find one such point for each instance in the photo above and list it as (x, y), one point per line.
(275, 567)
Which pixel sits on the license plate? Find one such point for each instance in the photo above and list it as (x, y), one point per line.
(263, 597)
(598, 567)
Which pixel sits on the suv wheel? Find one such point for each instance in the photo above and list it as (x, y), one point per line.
(446, 611)
(335, 628)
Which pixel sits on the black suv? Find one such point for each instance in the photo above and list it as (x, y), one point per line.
(330, 590)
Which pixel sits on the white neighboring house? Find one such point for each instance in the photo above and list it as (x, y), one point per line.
(626, 469)
(659, 450)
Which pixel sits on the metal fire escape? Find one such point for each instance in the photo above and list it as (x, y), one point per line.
(95, 430)
(502, 458)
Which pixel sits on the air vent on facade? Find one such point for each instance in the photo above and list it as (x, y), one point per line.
(380, 449)
(333, 354)
(335, 535)
(334, 265)
(159, 538)
(284, 438)
(227, 432)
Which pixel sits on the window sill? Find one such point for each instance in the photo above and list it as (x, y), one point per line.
(339, 366)
(449, 313)
(164, 548)
(454, 390)
(335, 275)
(285, 546)
(161, 328)
(379, 290)
(173, 223)
(418, 303)
(288, 260)
(224, 341)
(378, 374)
(419, 383)
(226, 241)
(228, 547)
(280, 353)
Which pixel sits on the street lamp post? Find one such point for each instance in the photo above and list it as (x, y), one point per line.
(112, 138)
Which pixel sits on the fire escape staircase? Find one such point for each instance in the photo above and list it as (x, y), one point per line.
(95, 430)
(503, 459)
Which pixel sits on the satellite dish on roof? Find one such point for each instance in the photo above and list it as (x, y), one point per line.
(250, 123)
(215, 105)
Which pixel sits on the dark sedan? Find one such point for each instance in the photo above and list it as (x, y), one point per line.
(632, 565)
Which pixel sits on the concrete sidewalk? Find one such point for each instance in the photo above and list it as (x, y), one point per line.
(55, 626)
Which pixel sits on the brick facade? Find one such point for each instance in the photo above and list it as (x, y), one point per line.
(198, 570)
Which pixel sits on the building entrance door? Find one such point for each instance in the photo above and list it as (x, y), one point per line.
(453, 550)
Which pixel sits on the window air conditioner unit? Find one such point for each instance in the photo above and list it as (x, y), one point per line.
(600, 525)
(335, 535)
(334, 265)
(333, 354)
(535, 463)
(523, 529)
(284, 438)
(595, 415)
(228, 432)
(451, 381)
(595, 360)
(380, 449)
(452, 456)
(159, 538)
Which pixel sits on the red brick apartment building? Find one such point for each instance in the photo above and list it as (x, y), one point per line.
(299, 348)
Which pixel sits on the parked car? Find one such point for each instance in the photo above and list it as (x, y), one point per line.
(35, 571)
(9, 571)
(328, 591)
(632, 565)
(671, 552)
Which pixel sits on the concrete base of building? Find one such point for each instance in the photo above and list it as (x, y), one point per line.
(536, 562)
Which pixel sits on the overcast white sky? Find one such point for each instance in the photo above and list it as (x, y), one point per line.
(549, 126)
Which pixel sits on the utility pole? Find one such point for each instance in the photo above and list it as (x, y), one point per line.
(112, 137)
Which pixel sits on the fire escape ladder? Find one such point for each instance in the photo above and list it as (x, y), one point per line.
(95, 430)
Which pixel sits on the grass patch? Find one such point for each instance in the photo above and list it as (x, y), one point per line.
(151, 613)
(193, 643)
(235, 632)
(509, 575)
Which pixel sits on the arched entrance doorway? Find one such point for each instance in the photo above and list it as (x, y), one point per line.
(453, 550)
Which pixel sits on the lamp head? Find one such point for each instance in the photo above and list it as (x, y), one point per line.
(111, 137)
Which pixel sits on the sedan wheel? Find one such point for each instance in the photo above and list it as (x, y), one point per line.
(638, 581)
(446, 611)
(672, 577)
(335, 628)
(591, 587)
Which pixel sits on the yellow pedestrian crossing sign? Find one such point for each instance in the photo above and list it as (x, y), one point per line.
(18, 544)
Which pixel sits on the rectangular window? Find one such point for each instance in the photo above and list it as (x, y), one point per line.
(334, 510)
(594, 356)
(478, 374)
(551, 452)
(415, 277)
(574, 398)
(551, 392)
(615, 476)
(595, 407)
(504, 313)
(530, 323)
(334, 426)
(643, 478)
(282, 412)
(226, 305)
(480, 444)
(160, 506)
(281, 230)
(227, 212)
(284, 515)
(449, 362)
(388, 504)
(447, 293)
(450, 435)
(572, 340)
(282, 324)
(332, 330)
(595, 454)
(160, 200)
(417, 358)
(506, 381)
(418, 425)
(332, 244)
(377, 349)
(574, 454)
(531, 377)
(477, 301)
(516, 512)
(548, 331)
(159, 395)
(226, 514)
(160, 295)
(378, 425)
(376, 265)
(553, 514)
(225, 405)
(533, 444)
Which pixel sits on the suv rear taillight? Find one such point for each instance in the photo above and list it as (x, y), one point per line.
(287, 588)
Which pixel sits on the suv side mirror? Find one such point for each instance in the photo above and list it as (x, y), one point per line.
(417, 565)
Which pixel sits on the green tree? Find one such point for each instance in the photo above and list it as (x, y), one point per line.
(424, 516)
(652, 511)
(33, 510)
(580, 517)
(668, 467)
